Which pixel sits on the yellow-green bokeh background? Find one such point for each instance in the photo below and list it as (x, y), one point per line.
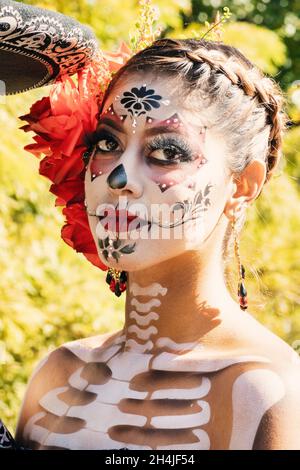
(48, 293)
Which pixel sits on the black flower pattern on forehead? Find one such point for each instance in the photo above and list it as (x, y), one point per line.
(140, 100)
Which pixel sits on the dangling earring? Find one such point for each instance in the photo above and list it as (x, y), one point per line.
(116, 280)
(242, 292)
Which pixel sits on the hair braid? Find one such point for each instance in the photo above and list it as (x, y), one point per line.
(181, 56)
(265, 89)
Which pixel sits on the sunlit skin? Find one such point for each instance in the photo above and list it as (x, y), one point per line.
(190, 272)
(183, 332)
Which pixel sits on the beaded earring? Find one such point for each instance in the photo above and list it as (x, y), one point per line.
(116, 280)
(242, 292)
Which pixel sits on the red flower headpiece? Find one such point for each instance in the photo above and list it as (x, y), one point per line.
(60, 122)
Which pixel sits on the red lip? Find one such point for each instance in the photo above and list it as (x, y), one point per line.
(117, 221)
(125, 214)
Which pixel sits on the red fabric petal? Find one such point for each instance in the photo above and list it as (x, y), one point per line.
(59, 169)
(60, 122)
(69, 191)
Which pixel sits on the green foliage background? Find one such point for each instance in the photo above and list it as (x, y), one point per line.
(48, 293)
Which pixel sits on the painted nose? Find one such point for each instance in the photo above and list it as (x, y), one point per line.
(119, 183)
(117, 179)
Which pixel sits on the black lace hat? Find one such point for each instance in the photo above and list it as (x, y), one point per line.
(39, 45)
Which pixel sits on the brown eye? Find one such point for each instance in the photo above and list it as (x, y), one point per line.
(170, 154)
(166, 150)
(107, 145)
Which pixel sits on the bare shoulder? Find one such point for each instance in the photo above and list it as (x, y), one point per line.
(256, 338)
(54, 370)
(60, 363)
(90, 347)
(280, 423)
(269, 390)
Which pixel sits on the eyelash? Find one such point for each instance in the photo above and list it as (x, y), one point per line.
(176, 144)
(92, 139)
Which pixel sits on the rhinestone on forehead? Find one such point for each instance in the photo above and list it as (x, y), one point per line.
(110, 110)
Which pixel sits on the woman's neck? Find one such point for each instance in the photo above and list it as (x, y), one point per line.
(182, 300)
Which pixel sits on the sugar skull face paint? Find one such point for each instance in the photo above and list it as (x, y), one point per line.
(151, 149)
(163, 169)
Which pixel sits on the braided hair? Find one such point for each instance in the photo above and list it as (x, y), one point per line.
(221, 73)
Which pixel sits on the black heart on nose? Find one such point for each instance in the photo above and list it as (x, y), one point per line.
(117, 178)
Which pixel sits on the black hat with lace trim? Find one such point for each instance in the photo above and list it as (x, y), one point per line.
(39, 45)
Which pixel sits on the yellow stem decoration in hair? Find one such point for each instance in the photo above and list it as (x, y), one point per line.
(215, 30)
(145, 33)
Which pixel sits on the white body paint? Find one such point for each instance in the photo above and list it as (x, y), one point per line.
(152, 290)
(137, 359)
(254, 392)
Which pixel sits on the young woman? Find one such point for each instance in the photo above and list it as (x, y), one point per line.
(189, 131)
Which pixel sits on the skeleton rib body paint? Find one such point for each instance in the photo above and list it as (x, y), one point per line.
(153, 393)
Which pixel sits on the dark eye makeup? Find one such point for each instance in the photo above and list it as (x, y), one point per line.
(174, 149)
(93, 140)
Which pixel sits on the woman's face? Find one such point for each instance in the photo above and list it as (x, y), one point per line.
(157, 182)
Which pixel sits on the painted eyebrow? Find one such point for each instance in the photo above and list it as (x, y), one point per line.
(148, 132)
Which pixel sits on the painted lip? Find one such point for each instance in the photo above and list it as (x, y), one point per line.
(120, 221)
